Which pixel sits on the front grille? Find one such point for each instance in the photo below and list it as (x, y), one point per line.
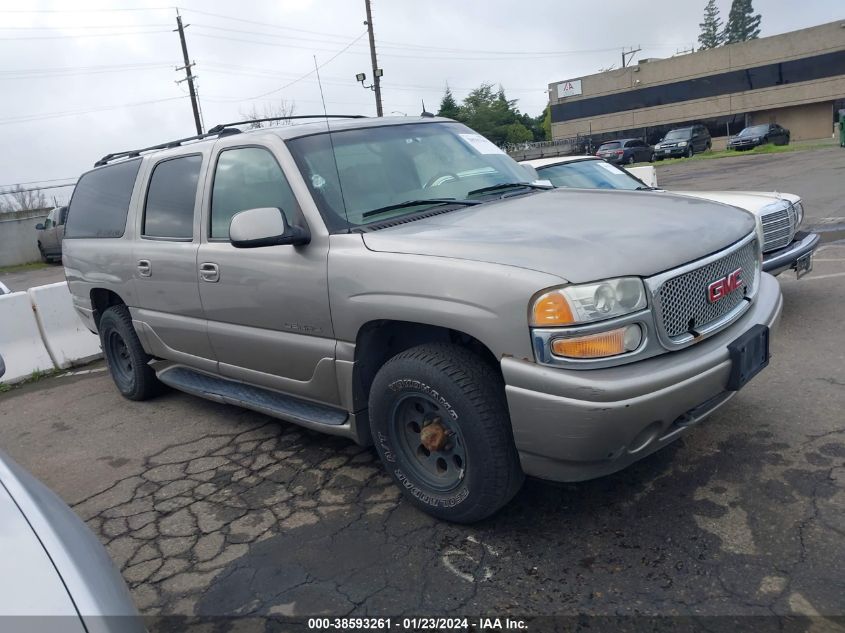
(683, 300)
(779, 227)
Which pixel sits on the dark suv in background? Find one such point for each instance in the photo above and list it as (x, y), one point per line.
(625, 151)
(683, 141)
(756, 135)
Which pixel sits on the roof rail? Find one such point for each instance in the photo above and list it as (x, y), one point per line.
(224, 129)
(134, 153)
(287, 118)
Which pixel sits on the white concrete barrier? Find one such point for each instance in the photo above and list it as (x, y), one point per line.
(646, 173)
(20, 339)
(67, 340)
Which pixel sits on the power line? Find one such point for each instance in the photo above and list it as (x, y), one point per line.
(54, 115)
(64, 37)
(74, 28)
(33, 182)
(11, 191)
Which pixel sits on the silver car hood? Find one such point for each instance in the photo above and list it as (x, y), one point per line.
(578, 235)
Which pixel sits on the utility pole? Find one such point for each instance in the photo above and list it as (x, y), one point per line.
(376, 73)
(189, 77)
(625, 54)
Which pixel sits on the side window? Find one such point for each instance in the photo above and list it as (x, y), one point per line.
(100, 201)
(172, 192)
(48, 223)
(248, 178)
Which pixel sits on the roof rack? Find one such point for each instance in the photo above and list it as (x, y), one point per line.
(224, 129)
(287, 118)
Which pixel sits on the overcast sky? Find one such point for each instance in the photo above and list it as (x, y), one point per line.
(83, 78)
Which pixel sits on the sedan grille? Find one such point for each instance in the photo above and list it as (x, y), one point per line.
(684, 306)
(779, 227)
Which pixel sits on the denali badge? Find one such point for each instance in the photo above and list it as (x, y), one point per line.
(721, 288)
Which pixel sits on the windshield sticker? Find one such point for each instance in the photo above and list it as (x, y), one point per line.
(608, 167)
(317, 181)
(480, 144)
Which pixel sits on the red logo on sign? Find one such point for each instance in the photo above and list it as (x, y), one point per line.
(721, 288)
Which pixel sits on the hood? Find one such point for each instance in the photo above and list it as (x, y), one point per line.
(578, 235)
(753, 201)
(671, 142)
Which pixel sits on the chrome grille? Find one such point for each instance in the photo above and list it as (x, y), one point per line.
(779, 227)
(683, 302)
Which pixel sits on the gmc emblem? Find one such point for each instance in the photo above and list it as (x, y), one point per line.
(721, 288)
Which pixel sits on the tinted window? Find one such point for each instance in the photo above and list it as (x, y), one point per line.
(169, 210)
(100, 201)
(248, 178)
(679, 134)
(610, 146)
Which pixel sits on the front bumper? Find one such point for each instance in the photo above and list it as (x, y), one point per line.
(573, 425)
(669, 152)
(785, 258)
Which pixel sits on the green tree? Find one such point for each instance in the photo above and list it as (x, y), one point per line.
(517, 133)
(546, 124)
(711, 33)
(743, 24)
(448, 106)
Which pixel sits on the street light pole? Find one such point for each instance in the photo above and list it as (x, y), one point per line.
(376, 75)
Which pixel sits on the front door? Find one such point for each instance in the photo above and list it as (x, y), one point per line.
(169, 315)
(267, 307)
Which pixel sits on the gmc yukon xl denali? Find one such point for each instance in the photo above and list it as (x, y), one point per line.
(401, 282)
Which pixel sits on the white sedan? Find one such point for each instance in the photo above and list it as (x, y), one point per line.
(779, 215)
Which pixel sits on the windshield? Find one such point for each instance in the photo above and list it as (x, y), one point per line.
(678, 135)
(755, 130)
(381, 167)
(589, 174)
(615, 145)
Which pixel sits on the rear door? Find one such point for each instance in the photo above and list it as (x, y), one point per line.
(268, 307)
(169, 313)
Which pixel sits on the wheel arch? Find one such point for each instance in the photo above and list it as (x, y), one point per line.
(101, 300)
(380, 340)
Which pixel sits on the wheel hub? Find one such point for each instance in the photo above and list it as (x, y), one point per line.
(434, 436)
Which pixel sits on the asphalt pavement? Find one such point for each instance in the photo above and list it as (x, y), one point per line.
(208, 509)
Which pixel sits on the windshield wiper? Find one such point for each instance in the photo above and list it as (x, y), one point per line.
(646, 188)
(416, 203)
(508, 185)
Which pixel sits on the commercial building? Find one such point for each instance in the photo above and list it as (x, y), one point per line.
(796, 79)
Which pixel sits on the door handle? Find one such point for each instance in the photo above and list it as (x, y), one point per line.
(144, 268)
(210, 272)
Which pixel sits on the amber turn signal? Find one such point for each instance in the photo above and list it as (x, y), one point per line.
(610, 343)
(551, 309)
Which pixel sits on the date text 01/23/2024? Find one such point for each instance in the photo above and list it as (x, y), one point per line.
(418, 624)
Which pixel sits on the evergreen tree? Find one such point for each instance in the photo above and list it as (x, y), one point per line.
(448, 106)
(711, 34)
(743, 24)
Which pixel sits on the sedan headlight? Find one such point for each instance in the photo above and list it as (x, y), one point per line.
(682, 144)
(799, 209)
(587, 303)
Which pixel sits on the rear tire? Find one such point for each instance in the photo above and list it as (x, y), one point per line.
(474, 469)
(125, 357)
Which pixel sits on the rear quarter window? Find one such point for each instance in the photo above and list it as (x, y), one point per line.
(100, 201)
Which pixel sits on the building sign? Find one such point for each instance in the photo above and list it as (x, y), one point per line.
(569, 88)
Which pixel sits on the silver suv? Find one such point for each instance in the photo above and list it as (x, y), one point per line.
(400, 282)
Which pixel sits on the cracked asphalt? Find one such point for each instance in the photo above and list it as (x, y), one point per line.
(211, 510)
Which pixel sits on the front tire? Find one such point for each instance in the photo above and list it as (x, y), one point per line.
(125, 357)
(690, 152)
(440, 423)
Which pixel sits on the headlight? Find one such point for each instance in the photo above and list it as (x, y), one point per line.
(799, 208)
(682, 144)
(755, 139)
(586, 303)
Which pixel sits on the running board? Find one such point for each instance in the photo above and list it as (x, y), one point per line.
(272, 403)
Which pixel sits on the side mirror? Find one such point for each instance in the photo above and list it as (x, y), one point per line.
(39, 227)
(265, 226)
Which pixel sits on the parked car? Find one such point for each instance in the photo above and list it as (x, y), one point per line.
(401, 281)
(60, 568)
(684, 141)
(626, 151)
(779, 215)
(50, 234)
(757, 135)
